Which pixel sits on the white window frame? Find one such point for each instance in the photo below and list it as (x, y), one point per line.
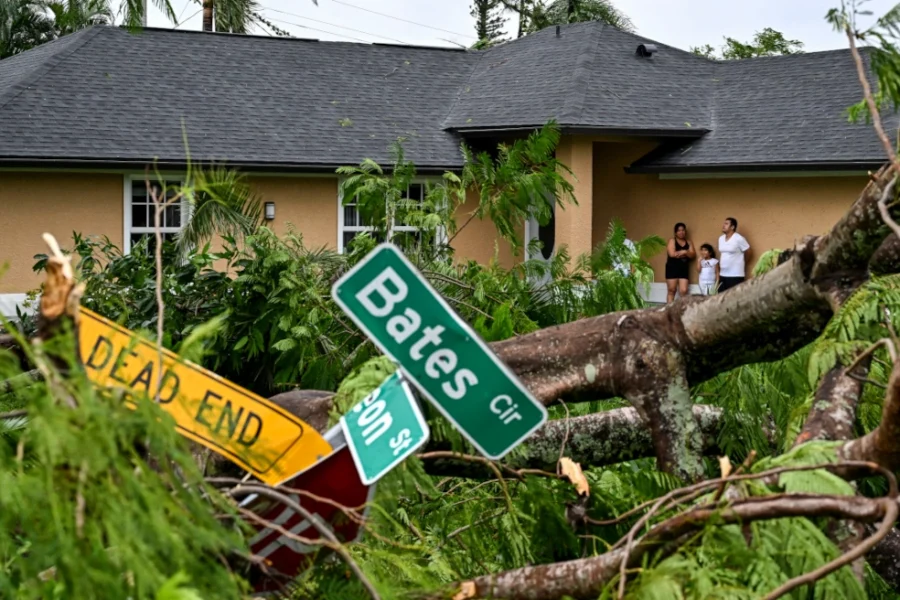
(128, 230)
(342, 228)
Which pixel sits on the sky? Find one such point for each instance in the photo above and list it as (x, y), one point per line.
(679, 23)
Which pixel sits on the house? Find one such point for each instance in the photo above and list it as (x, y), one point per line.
(653, 134)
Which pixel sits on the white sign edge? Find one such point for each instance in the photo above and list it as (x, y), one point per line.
(475, 337)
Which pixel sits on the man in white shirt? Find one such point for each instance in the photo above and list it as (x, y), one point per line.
(732, 246)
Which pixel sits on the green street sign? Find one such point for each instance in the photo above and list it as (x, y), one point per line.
(396, 307)
(385, 428)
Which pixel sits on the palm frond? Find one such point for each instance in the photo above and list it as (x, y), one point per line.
(221, 203)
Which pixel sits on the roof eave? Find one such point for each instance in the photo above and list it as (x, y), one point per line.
(683, 133)
(180, 165)
(864, 165)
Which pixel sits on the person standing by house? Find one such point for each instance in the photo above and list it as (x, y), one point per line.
(708, 267)
(681, 252)
(732, 247)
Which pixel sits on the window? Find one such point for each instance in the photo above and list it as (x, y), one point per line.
(140, 213)
(350, 223)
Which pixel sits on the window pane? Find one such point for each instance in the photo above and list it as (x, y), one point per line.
(139, 215)
(416, 191)
(173, 216)
(138, 191)
(349, 235)
(351, 216)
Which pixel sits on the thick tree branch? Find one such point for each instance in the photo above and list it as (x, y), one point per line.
(597, 439)
(585, 578)
(880, 445)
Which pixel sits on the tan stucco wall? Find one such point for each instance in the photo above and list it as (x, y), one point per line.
(574, 221)
(308, 203)
(479, 240)
(58, 203)
(772, 212)
(92, 204)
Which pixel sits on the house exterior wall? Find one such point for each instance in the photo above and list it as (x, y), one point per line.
(309, 204)
(93, 204)
(574, 221)
(479, 240)
(772, 212)
(57, 203)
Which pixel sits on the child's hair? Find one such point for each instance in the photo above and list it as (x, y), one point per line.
(712, 253)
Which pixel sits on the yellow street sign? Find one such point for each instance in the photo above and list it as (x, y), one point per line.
(253, 432)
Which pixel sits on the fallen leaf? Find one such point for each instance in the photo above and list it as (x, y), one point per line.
(466, 590)
(573, 471)
(725, 466)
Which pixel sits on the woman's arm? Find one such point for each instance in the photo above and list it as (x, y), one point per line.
(691, 253)
(670, 248)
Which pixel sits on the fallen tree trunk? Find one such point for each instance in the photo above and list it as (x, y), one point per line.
(652, 357)
(603, 438)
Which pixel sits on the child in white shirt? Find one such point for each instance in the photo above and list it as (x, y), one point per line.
(708, 267)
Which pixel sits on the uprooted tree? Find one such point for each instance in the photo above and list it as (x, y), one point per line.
(829, 505)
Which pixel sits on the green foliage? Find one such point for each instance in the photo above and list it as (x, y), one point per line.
(615, 253)
(273, 325)
(767, 262)
(103, 501)
(489, 22)
(884, 56)
(767, 42)
(539, 14)
(220, 203)
(23, 25)
(524, 180)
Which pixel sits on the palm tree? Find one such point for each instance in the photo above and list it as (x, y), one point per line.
(23, 25)
(221, 203)
(70, 16)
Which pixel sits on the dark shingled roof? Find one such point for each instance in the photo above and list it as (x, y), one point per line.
(589, 77)
(107, 96)
(780, 112)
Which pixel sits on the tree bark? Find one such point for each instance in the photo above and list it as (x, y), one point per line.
(207, 15)
(884, 558)
(602, 438)
(584, 579)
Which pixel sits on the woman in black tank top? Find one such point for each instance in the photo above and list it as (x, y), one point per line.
(680, 252)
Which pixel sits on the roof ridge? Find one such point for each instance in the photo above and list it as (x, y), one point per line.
(581, 77)
(465, 87)
(50, 63)
(207, 34)
(794, 56)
